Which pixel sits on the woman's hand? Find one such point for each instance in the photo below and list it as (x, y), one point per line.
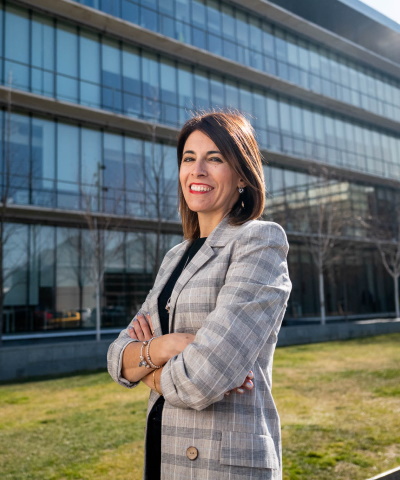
(247, 385)
(164, 346)
(141, 327)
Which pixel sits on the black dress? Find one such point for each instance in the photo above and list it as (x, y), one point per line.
(153, 439)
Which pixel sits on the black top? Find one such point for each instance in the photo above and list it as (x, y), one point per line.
(153, 439)
(165, 295)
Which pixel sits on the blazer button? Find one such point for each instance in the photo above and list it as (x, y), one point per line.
(192, 453)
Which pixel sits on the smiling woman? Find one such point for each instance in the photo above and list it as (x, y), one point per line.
(209, 326)
(208, 182)
(224, 142)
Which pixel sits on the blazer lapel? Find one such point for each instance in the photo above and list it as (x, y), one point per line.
(160, 284)
(219, 237)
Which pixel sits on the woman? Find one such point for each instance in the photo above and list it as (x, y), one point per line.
(214, 312)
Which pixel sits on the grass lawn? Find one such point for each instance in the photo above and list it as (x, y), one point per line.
(339, 404)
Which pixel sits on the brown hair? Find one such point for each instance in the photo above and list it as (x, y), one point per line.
(234, 136)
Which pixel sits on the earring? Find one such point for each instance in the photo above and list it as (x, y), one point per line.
(240, 190)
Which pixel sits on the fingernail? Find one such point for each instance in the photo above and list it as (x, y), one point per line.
(227, 393)
(130, 327)
(250, 375)
(249, 384)
(148, 313)
(240, 390)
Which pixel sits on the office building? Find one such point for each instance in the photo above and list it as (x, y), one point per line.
(93, 94)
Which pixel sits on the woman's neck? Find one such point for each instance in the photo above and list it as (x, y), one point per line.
(207, 223)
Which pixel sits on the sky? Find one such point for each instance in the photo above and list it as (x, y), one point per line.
(390, 8)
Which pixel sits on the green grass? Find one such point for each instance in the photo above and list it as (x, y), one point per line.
(340, 408)
(339, 405)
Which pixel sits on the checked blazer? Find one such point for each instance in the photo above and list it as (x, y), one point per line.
(232, 296)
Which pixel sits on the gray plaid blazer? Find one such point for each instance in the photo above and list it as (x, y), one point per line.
(232, 296)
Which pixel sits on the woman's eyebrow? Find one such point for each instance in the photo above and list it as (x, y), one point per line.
(210, 152)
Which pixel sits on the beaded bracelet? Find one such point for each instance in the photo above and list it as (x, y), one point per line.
(142, 362)
(149, 362)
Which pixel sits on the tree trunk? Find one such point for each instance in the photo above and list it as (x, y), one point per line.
(98, 311)
(396, 294)
(322, 297)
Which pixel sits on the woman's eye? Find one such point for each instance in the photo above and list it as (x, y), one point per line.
(216, 159)
(188, 159)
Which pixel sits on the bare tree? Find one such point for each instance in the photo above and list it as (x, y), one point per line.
(318, 211)
(162, 189)
(383, 228)
(99, 240)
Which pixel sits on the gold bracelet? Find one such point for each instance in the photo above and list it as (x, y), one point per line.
(154, 383)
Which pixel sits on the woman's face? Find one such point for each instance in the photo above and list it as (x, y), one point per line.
(209, 184)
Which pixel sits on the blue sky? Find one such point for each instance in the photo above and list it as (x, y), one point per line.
(390, 8)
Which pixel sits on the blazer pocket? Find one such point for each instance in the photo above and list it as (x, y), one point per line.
(248, 450)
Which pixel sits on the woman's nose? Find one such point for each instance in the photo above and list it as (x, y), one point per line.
(198, 169)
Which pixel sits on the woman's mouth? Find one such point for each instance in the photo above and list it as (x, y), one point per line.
(200, 188)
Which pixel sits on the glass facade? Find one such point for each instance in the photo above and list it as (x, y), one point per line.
(243, 37)
(65, 166)
(49, 282)
(99, 72)
(51, 271)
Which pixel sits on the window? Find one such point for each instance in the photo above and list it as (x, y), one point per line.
(168, 82)
(18, 158)
(150, 85)
(111, 76)
(67, 166)
(135, 192)
(43, 162)
(131, 81)
(217, 92)
(130, 11)
(112, 186)
(67, 63)
(213, 17)
(42, 55)
(228, 23)
(201, 91)
(91, 169)
(89, 67)
(16, 72)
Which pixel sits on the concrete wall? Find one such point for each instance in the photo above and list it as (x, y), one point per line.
(52, 359)
(302, 334)
(57, 358)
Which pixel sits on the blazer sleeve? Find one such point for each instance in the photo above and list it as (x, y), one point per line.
(116, 349)
(115, 353)
(249, 310)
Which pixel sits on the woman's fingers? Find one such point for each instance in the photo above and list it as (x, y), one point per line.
(141, 327)
(246, 386)
(150, 324)
(144, 325)
(131, 332)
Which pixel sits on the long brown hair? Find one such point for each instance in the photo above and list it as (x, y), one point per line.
(234, 136)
